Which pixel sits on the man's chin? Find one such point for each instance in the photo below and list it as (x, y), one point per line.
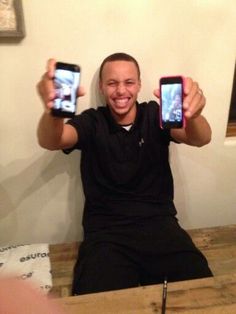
(121, 111)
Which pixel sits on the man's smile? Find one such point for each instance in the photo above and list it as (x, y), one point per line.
(121, 102)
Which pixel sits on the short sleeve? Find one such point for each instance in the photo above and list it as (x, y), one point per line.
(84, 126)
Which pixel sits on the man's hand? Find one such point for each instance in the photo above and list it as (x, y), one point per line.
(46, 87)
(194, 100)
(197, 131)
(52, 133)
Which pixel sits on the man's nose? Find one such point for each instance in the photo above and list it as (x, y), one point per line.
(121, 88)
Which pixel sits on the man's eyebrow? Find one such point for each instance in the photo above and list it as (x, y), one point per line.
(115, 80)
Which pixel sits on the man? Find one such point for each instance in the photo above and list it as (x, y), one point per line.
(131, 235)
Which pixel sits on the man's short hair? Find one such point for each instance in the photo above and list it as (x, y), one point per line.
(119, 56)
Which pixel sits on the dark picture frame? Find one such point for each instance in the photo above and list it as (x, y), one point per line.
(11, 19)
(232, 115)
(231, 126)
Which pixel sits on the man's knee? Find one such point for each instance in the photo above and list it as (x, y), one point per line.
(102, 269)
(190, 265)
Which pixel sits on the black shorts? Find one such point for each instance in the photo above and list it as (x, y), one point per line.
(140, 254)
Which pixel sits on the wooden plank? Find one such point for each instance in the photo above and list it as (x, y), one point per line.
(63, 257)
(214, 236)
(208, 295)
(231, 129)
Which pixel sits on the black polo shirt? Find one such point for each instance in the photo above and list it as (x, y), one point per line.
(126, 175)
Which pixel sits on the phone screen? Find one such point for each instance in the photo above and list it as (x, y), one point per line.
(171, 114)
(66, 81)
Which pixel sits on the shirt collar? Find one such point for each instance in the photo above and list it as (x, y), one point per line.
(114, 126)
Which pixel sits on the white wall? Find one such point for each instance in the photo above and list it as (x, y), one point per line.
(41, 197)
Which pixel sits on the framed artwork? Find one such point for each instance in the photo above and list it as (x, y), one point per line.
(11, 19)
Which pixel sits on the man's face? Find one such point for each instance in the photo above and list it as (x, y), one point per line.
(120, 85)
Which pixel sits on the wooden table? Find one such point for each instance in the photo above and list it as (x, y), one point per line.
(218, 244)
(208, 295)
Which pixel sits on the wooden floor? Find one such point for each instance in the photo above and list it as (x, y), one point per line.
(218, 244)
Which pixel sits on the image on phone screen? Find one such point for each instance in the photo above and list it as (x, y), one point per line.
(66, 84)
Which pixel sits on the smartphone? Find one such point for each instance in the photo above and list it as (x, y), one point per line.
(66, 82)
(171, 102)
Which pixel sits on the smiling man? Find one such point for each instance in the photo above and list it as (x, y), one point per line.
(120, 83)
(131, 234)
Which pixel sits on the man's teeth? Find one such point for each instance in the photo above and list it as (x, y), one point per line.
(121, 101)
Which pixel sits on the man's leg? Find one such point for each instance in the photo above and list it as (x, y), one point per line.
(187, 265)
(103, 267)
(175, 256)
(176, 267)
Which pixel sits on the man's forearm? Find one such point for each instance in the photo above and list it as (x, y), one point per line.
(198, 131)
(50, 131)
